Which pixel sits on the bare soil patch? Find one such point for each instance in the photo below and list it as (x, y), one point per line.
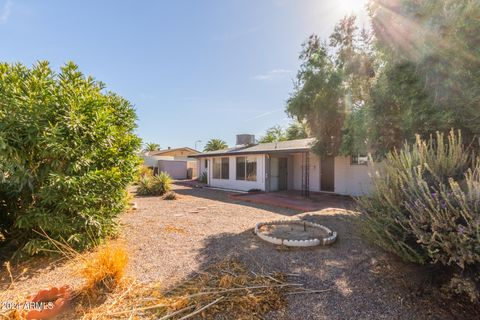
(293, 232)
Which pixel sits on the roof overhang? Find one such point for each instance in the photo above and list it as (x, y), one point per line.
(243, 153)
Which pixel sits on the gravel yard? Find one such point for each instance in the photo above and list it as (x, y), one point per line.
(169, 240)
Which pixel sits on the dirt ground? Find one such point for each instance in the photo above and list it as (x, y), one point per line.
(169, 240)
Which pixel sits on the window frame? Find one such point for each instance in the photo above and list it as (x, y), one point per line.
(246, 161)
(216, 162)
(222, 162)
(244, 177)
(355, 160)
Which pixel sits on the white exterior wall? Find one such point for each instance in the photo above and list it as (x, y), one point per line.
(234, 184)
(353, 180)
(350, 179)
(314, 172)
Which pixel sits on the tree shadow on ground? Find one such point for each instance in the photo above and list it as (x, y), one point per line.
(363, 282)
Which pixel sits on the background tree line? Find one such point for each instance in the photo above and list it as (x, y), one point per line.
(416, 70)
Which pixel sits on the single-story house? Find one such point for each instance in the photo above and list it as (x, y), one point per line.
(176, 162)
(282, 166)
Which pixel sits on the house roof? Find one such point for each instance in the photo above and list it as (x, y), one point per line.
(160, 152)
(300, 145)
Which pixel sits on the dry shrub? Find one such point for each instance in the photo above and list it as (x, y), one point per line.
(225, 289)
(170, 195)
(173, 229)
(104, 269)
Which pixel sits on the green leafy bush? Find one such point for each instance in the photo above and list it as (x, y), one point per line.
(143, 171)
(426, 208)
(67, 154)
(154, 185)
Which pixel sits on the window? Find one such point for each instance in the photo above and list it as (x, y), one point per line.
(241, 168)
(225, 168)
(206, 163)
(220, 168)
(217, 168)
(247, 168)
(359, 160)
(251, 169)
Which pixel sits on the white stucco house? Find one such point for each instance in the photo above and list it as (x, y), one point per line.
(282, 166)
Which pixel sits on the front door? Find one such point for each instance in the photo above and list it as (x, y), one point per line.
(327, 174)
(282, 174)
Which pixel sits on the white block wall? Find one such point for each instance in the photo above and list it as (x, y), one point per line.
(351, 179)
(176, 169)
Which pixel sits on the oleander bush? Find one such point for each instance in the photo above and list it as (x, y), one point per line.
(154, 185)
(426, 208)
(67, 154)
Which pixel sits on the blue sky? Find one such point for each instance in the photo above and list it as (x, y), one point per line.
(194, 70)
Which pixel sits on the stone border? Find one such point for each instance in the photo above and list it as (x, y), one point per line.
(332, 235)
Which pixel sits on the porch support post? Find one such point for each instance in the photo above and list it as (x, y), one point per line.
(306, 174)
(267, 172)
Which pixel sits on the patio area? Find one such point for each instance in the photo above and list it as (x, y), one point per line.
(296, 201)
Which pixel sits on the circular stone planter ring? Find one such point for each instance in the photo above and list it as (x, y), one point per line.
(295, 233)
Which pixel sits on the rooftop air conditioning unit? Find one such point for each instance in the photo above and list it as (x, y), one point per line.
(245, 139)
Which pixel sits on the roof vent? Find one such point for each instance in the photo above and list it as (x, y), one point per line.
(245, 139)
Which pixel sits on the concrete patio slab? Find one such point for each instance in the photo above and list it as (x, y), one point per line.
(294, 200)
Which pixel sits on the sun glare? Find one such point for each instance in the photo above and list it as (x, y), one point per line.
(349, 6)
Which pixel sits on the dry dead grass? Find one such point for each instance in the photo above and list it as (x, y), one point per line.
(103, 268)
(173, 229)
(225, 289)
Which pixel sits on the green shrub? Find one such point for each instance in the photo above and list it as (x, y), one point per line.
(67, 154)
(154, 185)
(426, 208)
(143, 171)
(203, 178)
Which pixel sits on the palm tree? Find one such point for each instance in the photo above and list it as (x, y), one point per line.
(215, 144)
(152, 147)
(273, 134)
(297, 130)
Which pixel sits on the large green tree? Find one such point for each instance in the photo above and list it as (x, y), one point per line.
(67, 154)
(333, 86)
(429, 78)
